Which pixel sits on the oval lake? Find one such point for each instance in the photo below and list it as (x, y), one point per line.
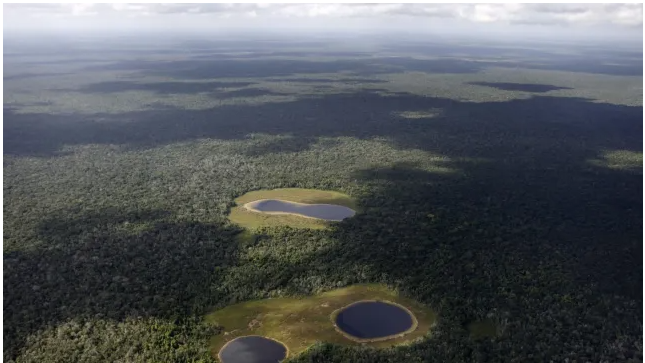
(252, 349)
(373, 320)
(329, 212)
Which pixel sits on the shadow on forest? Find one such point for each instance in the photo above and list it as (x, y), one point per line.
(523, 87)
(592, 217)
(541, 128)
(93, 268)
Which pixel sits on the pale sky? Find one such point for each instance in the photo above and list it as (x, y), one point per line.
(617, 20)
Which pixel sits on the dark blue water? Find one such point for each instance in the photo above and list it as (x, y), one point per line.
(373, 319)
(330, 212)
(252, 349)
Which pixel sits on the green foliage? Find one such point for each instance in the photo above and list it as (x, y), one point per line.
(134, 340)
(476, 197)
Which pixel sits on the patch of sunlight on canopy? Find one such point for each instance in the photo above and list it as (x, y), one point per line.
(620, 160)
(414, 115)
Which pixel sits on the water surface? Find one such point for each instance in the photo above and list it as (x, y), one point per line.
(330, 212)
(252, 349)
(373, 319)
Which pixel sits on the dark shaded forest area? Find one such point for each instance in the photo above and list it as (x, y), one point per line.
(504, 185)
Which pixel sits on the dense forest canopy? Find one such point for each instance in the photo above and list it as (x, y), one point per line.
(499, 183)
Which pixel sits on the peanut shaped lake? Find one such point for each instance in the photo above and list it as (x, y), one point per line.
(374, 320)
(329, 212)
(252, 349)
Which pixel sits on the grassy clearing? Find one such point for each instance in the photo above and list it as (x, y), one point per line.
(300, 322)
(252, 220)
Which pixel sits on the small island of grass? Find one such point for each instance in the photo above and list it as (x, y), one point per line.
(300, 322)
(293, 207)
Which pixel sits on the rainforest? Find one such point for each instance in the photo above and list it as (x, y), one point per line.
(497, 191)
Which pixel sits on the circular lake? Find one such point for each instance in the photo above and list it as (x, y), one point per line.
(374, 320)
(252, 349)
(329, 212)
